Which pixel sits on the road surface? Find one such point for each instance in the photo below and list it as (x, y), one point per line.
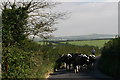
(93, 74)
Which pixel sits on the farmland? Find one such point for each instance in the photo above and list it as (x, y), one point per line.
(97, 43)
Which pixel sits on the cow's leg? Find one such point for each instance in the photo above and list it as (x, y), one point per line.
(85, 66)
(75, 71)
(92, 66)
(69, 66)
(77, 67)
(57, 66)
(64, 65)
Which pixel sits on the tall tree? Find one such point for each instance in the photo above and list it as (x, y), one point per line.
(23, 19)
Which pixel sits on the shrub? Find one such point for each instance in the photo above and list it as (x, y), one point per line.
(110, 59)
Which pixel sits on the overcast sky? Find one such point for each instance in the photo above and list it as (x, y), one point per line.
(88, 18)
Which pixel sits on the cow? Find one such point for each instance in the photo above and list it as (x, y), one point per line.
(75, 61)
(92, 59)
(68, 61)
(63, 60)
(80, 61)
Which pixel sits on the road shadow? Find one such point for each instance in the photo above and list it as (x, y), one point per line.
(61, 71)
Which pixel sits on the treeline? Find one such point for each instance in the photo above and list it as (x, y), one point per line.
(110, 58)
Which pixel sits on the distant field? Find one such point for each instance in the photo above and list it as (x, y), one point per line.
(98, 43)
(41, 43)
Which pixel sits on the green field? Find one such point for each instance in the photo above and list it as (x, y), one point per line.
(98, 43)
(41, 43)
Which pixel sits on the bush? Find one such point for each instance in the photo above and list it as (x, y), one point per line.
(29, 60)
(110, 59)
(18, 62)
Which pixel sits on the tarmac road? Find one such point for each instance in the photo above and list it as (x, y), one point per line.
(93, 74)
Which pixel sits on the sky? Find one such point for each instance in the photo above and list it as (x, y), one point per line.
(86, 0)
(87, 18)
(71, 0)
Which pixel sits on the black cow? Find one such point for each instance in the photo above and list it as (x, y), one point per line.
(68, 61)
(92, 59)
(59, 62)
(80, 61)
(64, 59)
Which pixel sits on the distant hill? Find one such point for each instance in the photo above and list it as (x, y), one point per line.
(82, 37)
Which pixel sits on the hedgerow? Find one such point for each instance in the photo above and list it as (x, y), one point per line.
(110, 58)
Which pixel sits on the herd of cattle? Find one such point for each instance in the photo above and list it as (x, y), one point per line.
(75, 61)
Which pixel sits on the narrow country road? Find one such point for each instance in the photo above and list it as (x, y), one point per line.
(94, 74)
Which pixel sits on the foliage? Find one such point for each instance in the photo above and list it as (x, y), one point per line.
(18, 62)
(110, 59)
(22, 19)
(14, 21)
(26, 61)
